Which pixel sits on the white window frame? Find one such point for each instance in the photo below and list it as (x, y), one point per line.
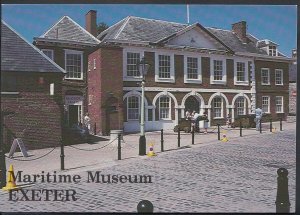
(170, 117)
(94, 63)
(262, 99)
(139, 108)
(281, 71)
(237, 108)
(52, 53)
(132, 50)
(172, 68)
(246, 81)
(199, 76)
(224, 72)
(261, 76)
(282, 111)
(70, 51)
(276, 51)
(222, 108)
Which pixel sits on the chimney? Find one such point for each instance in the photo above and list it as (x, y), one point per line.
(91, 22)
(240, 29)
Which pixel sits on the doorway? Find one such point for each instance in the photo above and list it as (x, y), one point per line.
(191, 104)
(74, 114)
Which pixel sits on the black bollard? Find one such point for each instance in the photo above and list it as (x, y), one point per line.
(95, 129)
(241, 129)
(280, 124)
(282, 198)
(62, 155)
(178, 137)
(260, 125)
(162, 139)
(270, 125)
(193, 135)
(218, 131)
(119, 146)
(145, 206)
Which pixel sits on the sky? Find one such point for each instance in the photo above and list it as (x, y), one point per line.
(276, 23)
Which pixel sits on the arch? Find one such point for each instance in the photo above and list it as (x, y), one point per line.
(215, 95)
(165, 93)
(196, 95)
(135, 93)
(241, 95)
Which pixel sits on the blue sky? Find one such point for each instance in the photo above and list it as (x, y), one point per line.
(277, 23)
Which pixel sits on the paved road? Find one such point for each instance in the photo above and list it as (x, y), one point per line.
(235, 176)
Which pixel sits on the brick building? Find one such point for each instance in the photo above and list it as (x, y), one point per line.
(30, 87)
(191, 67)
(67, 43)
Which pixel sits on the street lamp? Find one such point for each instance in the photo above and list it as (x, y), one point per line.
(143, 69)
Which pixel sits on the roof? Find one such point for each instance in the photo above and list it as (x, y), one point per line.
(293, 73)
(67, 29)
(140, 29)
(137, 29)
(17, 54)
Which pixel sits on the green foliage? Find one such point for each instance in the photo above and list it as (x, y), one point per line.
(101, 27)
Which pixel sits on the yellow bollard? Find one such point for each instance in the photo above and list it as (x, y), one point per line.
(273, 129)
(10, 183)
(224, 139)
(151, 150)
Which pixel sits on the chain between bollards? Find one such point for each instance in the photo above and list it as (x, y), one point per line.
(162, 140)
(193, 135)
(241, 128)
(280, 124)
(218, 131)
(62, 155)
(260, 126)
(178, 137)
(119, 146)
(270, 125)
(282, 198)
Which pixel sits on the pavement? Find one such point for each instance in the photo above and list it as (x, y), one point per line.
(210, 176)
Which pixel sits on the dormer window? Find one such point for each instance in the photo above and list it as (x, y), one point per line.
(272, 50)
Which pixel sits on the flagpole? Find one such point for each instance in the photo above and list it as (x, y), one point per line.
(188, 14)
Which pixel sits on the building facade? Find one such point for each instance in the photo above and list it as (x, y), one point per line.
(223, 72)
(67, 44)
(293, 86)
(31, 88)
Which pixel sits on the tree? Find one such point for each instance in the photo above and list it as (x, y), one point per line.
(101, 27)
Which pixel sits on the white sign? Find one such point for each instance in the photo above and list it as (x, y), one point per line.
(73, 100)
(20, 143)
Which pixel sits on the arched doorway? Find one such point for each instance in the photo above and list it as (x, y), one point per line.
(192, 104)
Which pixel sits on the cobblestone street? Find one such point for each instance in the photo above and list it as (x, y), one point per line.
(235, 176)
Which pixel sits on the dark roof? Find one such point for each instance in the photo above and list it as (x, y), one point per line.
(140, 29)
(293, 73)
(67, 29)
(136, 29)
(19, 55)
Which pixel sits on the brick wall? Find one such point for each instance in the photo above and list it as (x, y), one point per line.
(35, 110)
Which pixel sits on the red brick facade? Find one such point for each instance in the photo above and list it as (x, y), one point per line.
(35, 109)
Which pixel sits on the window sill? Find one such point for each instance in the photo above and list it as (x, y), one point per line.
(278, 84)
(242, 83)
(218, 118)
(167, 80)
(265, 84)
(193, 81)
(280, 112)
(77, 79)
(10, 93)
(132, 78)
(218, 82)
(165, 119)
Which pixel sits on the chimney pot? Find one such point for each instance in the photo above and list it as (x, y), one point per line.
(240, 29)
(91, 22)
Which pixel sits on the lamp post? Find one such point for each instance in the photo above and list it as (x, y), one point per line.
(143, 69)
